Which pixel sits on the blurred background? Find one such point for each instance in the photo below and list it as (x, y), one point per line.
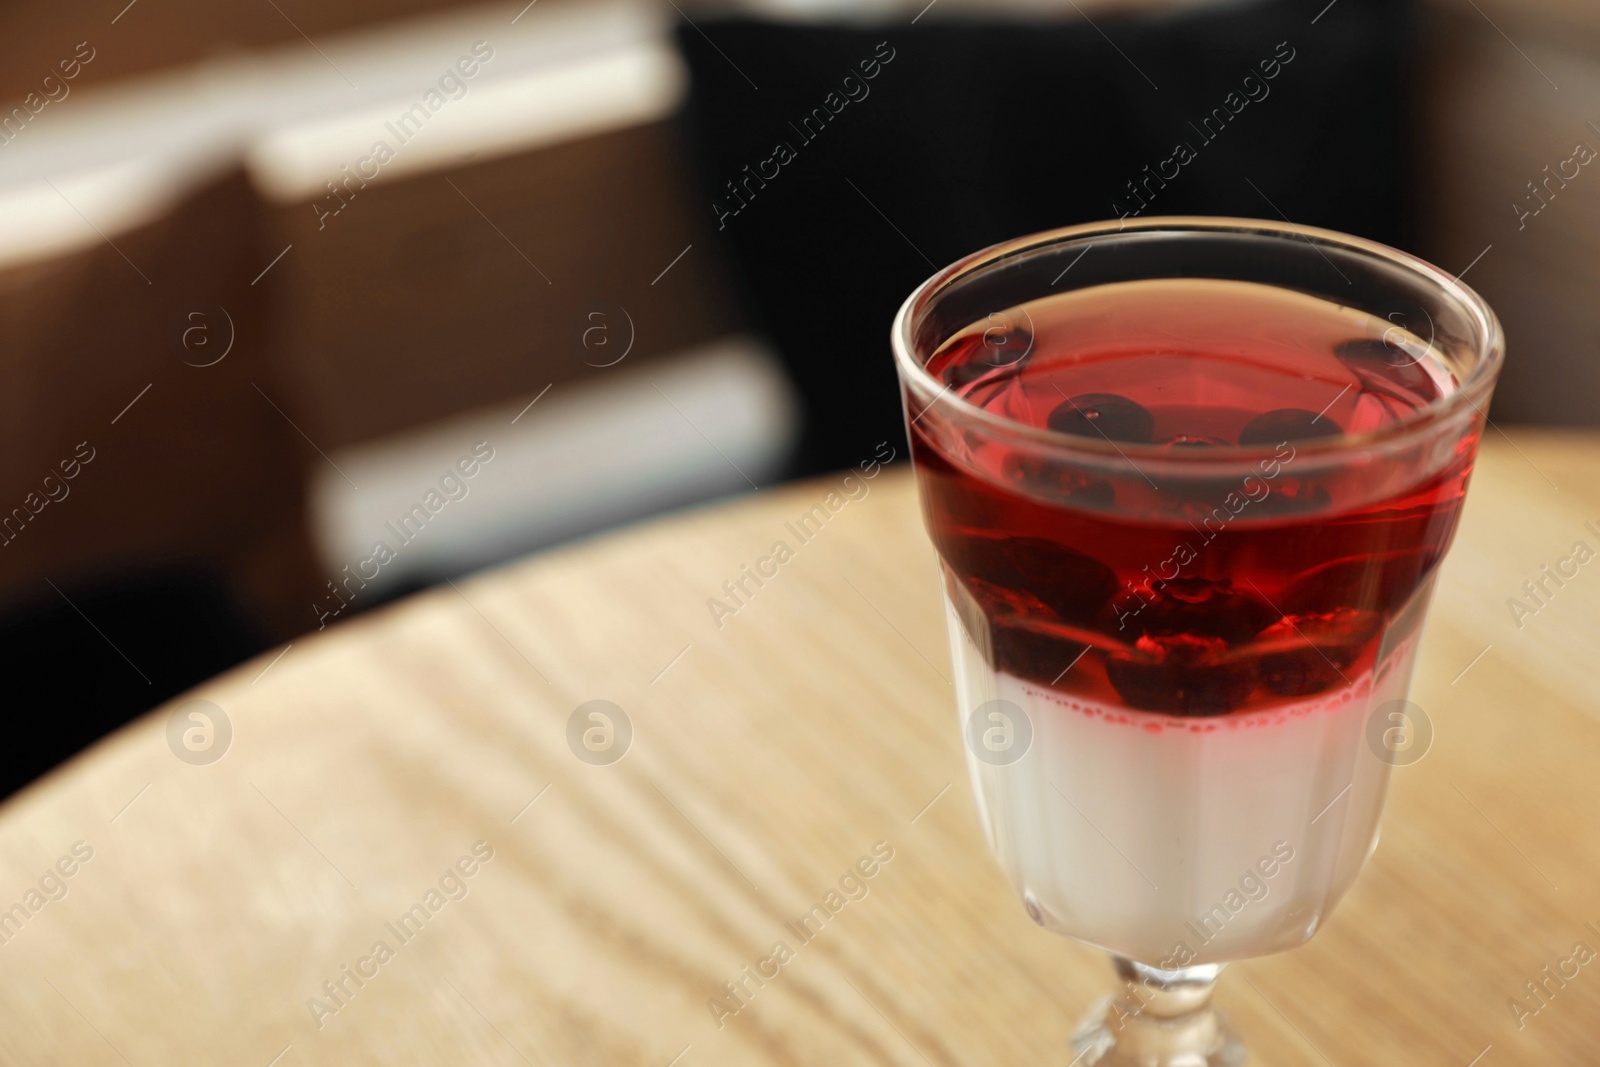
(306, 305)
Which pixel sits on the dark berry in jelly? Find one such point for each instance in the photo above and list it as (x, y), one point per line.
(1104, 415)
(1074, 586)
(1007, 341)
(1187, 440)
(999, 602)
(960, 375)
(977, 603)
(1179, 674)
(1372, 353)
(1290, 495)
(1329, 643)
(1380, 362)
(990, 613)
(1058, 482)
(1182, 635)
(1191, 605)
(1035, 656)
(1071, 585)
(998, 352)
(1287, 424)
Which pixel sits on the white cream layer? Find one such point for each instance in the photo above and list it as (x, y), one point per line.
(1150, 835)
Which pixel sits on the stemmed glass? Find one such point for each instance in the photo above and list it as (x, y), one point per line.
(1189, 481)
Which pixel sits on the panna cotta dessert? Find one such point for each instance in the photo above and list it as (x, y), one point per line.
(1175, 676)
(1170, 840)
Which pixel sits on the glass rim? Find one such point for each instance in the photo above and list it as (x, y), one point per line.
(1490, 344)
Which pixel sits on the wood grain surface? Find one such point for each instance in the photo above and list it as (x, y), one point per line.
(810, 733)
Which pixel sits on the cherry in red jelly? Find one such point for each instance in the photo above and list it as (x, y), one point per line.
(997, 353)
(1074, 587)
(1012, 579)
(1380, 363)
(1035, 656)
(1006, 341)
(1291, 495)
(1115, 418)
(1191, 605)
(1058, 482)
(1189, 440)
(1181, 675)
(1287, 424)
(960, 375)
(991, 614)
(1330, 643)
(1183, 639)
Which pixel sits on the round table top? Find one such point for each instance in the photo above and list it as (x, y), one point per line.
(400, 856)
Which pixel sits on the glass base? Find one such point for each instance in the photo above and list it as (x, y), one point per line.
(1161, 1019)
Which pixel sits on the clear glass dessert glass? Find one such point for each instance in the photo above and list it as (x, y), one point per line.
(1189, 480)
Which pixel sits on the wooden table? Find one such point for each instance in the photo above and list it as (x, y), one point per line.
(769, 756)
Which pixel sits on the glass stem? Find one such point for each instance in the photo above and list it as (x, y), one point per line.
(1159, 1018)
